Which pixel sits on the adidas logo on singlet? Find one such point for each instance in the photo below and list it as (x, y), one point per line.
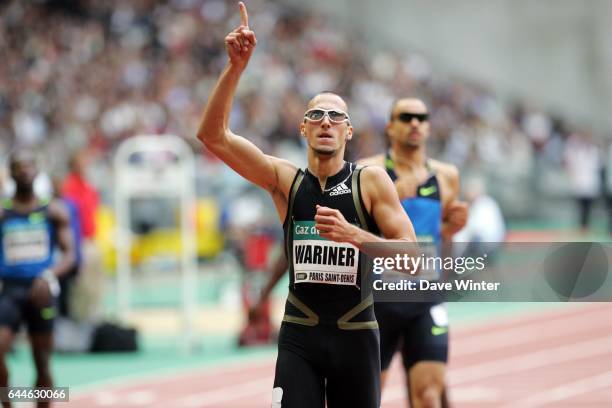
(340, 189)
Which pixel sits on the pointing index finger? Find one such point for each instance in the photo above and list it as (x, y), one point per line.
(244, 17)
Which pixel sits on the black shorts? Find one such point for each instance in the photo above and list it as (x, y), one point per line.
(419, 329)
(16, 307)
(323, 361)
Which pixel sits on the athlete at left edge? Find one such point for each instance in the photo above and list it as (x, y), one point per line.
(31, 230)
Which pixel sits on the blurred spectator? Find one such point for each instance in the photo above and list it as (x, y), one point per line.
(2, 183)
(583, 165)
(89, 288)
(607, 188)
(67, 280)
(485, 230)
(77, 189)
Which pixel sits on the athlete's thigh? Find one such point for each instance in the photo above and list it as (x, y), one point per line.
(354, 376)
(298, 383)
(426, 339)
(11, 311)
(425, 354)
(390, 326)
(40, 319)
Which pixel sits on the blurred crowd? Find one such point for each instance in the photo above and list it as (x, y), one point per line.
(88, 74)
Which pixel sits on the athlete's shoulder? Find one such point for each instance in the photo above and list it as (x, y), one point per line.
(375, 176)
(447, 170)
(376, 186)
(58, 210)
(377, 160)
(283, 164)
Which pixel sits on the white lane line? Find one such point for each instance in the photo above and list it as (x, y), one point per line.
(505, 366)
(158, 377)
(222, 395)
(565, 391)
(461, 395)
(106, 399)
(140, 398)
(476, 343)
(530, 361)
(524, 317)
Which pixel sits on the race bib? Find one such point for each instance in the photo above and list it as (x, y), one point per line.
(25, 244)
(318, 260)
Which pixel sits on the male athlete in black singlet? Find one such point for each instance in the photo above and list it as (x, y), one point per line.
(328, 345)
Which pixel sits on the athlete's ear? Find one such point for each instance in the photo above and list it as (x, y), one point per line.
(349, 133)
(387, 127)
(303, 129)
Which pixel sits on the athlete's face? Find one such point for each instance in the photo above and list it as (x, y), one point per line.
(326, 125)
(407, 126)
(24, 171)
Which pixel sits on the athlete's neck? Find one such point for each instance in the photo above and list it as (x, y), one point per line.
(408, 157)
(24, 194)
(322, 166)
(24, 200)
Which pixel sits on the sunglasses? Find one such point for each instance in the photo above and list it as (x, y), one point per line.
(334, 115)
(407, 117)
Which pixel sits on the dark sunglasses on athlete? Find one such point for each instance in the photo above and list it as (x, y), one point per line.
(407, 117)
(334, 115)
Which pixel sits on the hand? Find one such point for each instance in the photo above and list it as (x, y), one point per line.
(241, 42)
(40, 293)
(256, 312)
(333, 226)
(405, 187)
(455, 216)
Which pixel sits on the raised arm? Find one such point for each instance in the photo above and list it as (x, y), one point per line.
(237, 152)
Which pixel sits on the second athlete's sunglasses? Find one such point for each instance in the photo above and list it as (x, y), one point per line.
(407, 117)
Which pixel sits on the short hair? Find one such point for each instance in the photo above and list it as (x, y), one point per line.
(21, 155)
(397, 100)
(327, 93)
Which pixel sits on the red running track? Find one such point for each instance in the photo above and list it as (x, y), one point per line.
(560, 358)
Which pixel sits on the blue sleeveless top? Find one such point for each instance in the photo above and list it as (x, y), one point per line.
(27, 242)
(425, 209)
